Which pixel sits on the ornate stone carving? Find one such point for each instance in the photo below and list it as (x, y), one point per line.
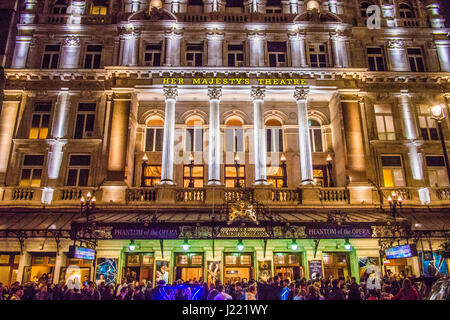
(214, 93)
(396, 44)
(170, 93)
(256, 35)
(72, 41)
(214, 34)
(258, 93)
(301, 93)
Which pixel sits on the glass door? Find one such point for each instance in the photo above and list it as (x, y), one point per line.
(288, 265)
(189, 267)
(336, 265)
(238, 267)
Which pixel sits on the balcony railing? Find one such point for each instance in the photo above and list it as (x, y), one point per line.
(141, 195)
(191, 195)
(23, 194)
(236, 194)
(334, 195)
(292, 196)
(443, 193)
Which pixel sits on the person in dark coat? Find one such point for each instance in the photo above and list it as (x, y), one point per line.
(336, 292)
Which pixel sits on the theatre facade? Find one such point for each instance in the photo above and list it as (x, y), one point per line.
(224, 140)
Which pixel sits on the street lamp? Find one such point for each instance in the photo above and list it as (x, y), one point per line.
(185, 246)
(438, 114)
(395, 200)
(330, 173)
(293, 245)
(240, 245)
(283, 169)
(132, 246)
(87, 203)
(191, 169)
(347, 245)
(144, 168)
(237, 166)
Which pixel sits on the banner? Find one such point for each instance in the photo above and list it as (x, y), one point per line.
(332, 232)
(315, 269)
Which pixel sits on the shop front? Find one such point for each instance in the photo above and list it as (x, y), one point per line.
(401, 260)
(238, 266)
(76, 268)
(9, 265)
(42, 267)
(288, 265)
(188, 266)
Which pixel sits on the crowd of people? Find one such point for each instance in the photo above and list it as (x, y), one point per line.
(275, 288)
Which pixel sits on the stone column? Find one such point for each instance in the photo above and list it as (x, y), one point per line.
(173, 47)
(397, 56)
(8, 117)
(298, 50)
(257, 54)
(301, 95)
(130, 46)
(215, 41)
(443, 50)
(20, 55)
(214, 94)
(170, 95)
(71, 53)
(259, 136)
(337, 58)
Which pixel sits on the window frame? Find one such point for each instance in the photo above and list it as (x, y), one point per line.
(154, 129)
(386, 133)
(195, 53)
(94, 64)
(315, 46)
(52, 55)
(277, 54)
(401, 168)
(235, 53)
(234, 128)
(273, 140)
(85, 114)
(41, 114)
(151, 62)
(375, 56)
(427, 118)
(415, 57)
(196, 129)
(242, 179)
(78, 168)
(436, 168)
(32, 168)
(312, 136)
(195, 178)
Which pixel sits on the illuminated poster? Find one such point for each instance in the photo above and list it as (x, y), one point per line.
(369, 271)
(213, 271)
(315, 269)
(162, 271)
(264, 270)
(431, 266)
(106, 271)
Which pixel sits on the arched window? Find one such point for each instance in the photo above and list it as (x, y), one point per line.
(154, 135)
(315, 133)
(234, 136)
(194, 135)
(363, 8)
(60, 7)
(274, 136)
(405, 11)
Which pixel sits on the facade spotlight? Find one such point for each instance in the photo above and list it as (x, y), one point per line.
(240, 246)
(132, 246)
(185, 246)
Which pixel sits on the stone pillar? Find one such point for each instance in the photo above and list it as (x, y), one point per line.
(170, 95)
(24, 261)
(301, 95)
(293, 5)
(172, 47)
(215, 50)
(71, 53)
(8, 117)
(298, 51)
(443, 50)
(115, 186)
(259, 136)
(257, 54)
(397, 56)
(19, 60)
(214, 94)
(130, 46)
(337, 58)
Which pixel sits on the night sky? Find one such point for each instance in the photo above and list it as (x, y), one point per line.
(445, 11)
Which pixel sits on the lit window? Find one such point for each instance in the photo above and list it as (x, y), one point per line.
(99, 7)
(274, 136)
(318, 56)
(194, 136)
(32, 168)
(437, 172)
(230, 176)
(277, 54)
(197, 175)
(428, 128)
(40, 120)
(154, 135)
(275, 176)
(320, 176)
(152, 175)
(78, 171)
(375, 58)
(152, 55)
(315, 135)
(51, 57)
(392, 171)
(234, 136)
(385, 122)
(84, 125)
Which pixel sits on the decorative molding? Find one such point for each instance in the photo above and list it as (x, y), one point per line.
(258, 93)
(301, 94)
(72, 41)
(396, 44)
(170, 93)
(214, 93)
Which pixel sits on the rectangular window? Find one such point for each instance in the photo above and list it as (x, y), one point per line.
(376, 59)
(428, 127)
(234, 139)
(320, 176)
(154, 139)
(315, 136)
(85, 120)
(437, 172)
(415, 58)
(274, 139)
(277, 54)
(32, 168)
(230, 176)
(152, 175)
(385, 122)
(152, 56)
(235, 55)
(194, 54)
(275, 176)
(93, 57)
(99, 7)
(197, 175)
(318, 55)
(40, 120)
(392, 171)
(78, 171)
(194, 139)
(51, 57)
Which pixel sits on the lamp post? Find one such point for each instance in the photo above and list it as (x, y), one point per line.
(283, 169)
(330, 168)
(237, 166)
(395, 200)
(87, 203)
(191, 169)
(438, 114)
(144, 168)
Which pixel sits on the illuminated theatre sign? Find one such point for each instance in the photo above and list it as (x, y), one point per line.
(237, 81)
